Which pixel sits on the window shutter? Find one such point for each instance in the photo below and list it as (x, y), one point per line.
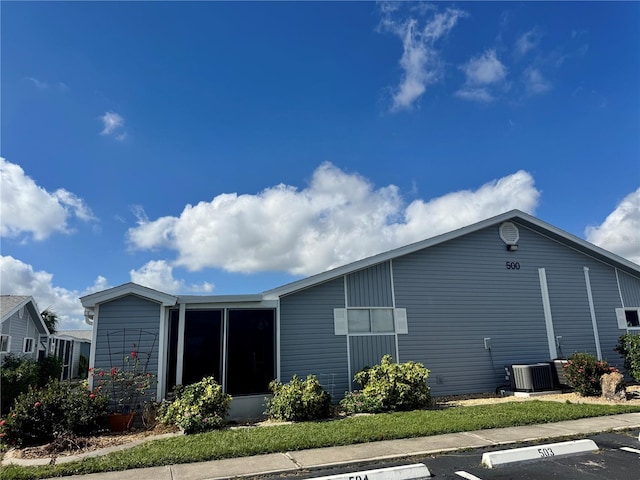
(401, 320)
(622, 319)
(340, 321)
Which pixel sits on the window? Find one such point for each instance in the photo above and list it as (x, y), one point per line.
(628, 318)
(632, 318)
(5, 343)
(251, 350)
(370, 320)
(29, 345)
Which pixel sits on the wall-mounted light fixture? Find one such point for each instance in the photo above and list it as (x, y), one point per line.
(487, 343)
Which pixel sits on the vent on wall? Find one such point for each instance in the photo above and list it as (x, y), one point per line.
(532, 378)
(510, 235)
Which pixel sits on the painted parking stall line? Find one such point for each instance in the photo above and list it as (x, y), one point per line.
(629, 449)
(415, 471)
(537, 452)
(467, 475)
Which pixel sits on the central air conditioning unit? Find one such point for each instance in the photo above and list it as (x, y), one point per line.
(532, 378)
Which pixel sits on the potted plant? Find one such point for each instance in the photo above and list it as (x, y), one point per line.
(127, 387)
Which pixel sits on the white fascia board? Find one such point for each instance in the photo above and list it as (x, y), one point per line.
(165, 299)
(219, 299)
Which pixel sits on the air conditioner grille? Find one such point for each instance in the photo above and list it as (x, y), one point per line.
(533, 378)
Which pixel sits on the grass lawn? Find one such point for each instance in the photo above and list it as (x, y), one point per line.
(281, 438)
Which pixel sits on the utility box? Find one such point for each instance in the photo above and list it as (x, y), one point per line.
(536, 377)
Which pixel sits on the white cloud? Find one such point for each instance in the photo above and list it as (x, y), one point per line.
(483, 73)
(528, 41)
(26, 207)
(535, 83)
(158, 274)
(338, 218)
(620, 231)
(19, 278)
(113, 124)
(475, 94)
(420, 61)
(42, 85)
(484, 69)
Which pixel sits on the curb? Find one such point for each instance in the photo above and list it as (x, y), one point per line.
(537, 452)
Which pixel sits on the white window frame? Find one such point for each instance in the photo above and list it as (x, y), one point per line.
(371, 332)
(7, 349)
(29, 341)
(622, 318)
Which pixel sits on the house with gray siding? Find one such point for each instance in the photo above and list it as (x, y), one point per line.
(23, 333)
(508, 290)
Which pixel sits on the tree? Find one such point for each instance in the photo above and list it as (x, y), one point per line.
(50, 319)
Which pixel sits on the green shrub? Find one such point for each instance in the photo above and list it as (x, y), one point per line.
(583, 372)
(391, 386)
(629, 347)
(298, 400)
(49, 368)
(198, 407)
(17, 375)
(357, 402)
(41, 415)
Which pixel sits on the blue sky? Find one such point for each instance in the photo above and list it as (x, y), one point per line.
(221, 148)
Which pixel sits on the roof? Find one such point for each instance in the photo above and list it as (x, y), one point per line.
(10, 304)
(80, 335)
(515, 216)
(90, 301)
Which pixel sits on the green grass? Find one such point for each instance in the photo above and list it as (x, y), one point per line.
(251, 441)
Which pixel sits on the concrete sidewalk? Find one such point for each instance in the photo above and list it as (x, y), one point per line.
(387, 450)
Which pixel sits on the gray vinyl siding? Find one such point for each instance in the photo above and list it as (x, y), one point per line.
(629, 289)
(367, 350)
(370, 287)
(606, 298)
(460, 292)
(19, 329)
(308, 344)
(121, 324)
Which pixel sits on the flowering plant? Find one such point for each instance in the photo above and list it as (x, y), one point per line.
(127, 386)
(583, 372)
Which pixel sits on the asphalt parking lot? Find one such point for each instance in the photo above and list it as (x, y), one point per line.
(618, 458)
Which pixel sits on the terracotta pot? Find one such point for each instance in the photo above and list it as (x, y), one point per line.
(120, 422)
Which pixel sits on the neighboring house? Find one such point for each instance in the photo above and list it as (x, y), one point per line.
(507, 290)
(68, 346)
(22, 331)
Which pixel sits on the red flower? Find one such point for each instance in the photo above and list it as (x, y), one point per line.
(92, 396)
(2, 422)
(37, 404)
(113, 371)
(133, 354)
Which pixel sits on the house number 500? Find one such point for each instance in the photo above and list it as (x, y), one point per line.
(513, 266)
